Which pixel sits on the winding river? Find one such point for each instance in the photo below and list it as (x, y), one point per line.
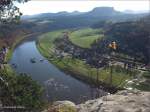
(58, 85)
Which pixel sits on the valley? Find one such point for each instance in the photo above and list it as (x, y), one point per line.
(75, 56)
(70, 59)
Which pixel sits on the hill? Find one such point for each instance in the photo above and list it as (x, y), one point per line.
(62, 20)
(85, 37)
(133, 38)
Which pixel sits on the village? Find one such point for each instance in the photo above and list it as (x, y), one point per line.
(94, 56)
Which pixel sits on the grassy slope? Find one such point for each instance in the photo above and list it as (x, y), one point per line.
(85, 37)
(46, 46)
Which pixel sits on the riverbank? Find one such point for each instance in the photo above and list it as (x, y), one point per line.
(13, 83)
(15, 43)
(78, 68)
(10, 50)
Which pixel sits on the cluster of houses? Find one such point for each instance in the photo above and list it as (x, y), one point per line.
(3, 52)
(90, 56)
(94, 56)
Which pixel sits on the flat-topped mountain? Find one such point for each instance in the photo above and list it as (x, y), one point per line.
(103, 11)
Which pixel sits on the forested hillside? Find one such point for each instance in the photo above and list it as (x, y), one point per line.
(9, 32)
(62, 20)
(133, 38)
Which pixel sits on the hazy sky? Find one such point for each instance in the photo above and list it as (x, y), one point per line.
(43, 6)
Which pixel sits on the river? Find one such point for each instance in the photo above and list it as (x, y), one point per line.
(58, 85)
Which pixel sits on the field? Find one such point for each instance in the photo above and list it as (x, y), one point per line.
(85, 37)
(78, 67)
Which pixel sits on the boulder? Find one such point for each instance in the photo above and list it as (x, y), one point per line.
(66, 103)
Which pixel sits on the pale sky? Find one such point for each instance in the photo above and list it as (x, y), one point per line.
(44, 6)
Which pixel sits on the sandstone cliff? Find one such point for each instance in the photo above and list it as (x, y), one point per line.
(123, 101)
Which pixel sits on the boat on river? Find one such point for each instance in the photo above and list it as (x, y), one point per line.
(33, 60)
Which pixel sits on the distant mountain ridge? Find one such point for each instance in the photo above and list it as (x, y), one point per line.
(76, 19)
(62, 13)
(98, 11)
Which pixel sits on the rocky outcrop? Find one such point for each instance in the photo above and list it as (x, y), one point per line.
(62, 106)
(124, 101)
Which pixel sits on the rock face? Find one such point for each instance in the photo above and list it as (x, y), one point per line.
(61, 106)
(124, 101)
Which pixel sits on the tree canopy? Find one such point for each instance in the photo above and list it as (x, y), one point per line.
(133, 37)
(9, 12)
(20, 90)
